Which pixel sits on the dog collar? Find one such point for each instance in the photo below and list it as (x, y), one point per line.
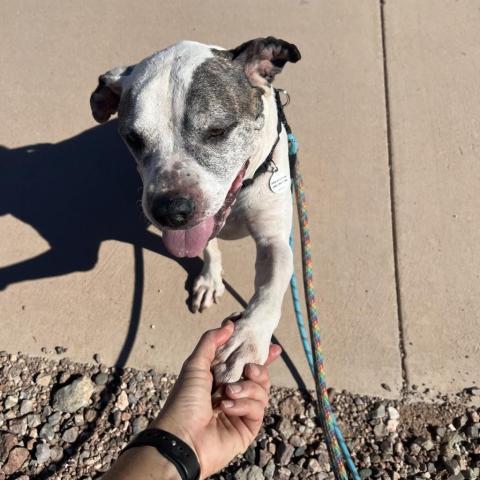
(268, 164)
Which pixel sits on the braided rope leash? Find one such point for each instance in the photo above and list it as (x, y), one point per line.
(337, 447)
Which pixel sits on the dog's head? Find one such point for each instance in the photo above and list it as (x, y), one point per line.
(192, 116)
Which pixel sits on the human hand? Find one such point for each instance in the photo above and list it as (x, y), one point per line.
(216, 434)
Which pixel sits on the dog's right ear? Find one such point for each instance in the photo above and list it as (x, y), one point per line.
(106, 97)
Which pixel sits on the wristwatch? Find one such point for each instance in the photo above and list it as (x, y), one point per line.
(172, 448)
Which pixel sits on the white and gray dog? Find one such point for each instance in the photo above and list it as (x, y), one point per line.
(200, 120)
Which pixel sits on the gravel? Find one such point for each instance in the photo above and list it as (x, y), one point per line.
(65, 420)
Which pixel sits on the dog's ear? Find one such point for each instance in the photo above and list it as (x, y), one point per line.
(106, 97)
(263, 58)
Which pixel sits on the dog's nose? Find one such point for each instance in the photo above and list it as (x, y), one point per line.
(172, 211)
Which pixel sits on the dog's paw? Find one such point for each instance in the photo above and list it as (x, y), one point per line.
(207, 289)
(248, 344)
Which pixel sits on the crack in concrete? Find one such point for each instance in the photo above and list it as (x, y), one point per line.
(401, 336)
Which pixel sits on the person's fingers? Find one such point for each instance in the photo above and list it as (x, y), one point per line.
(204, 353)
(247, 389)
(259, 373)
(250, 410)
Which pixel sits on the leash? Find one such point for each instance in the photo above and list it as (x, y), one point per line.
(337, 448)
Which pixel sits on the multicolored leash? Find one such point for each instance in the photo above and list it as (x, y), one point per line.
(337, 447)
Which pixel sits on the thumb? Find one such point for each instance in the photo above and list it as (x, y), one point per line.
(204, 353)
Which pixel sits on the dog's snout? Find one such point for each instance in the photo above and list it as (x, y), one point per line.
(172, 211)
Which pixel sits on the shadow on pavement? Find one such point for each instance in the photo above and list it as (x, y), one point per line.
(76, 194)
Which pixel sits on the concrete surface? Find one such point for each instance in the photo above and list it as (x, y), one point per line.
(68, 227)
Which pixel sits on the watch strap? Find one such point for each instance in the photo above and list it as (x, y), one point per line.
(172, 448)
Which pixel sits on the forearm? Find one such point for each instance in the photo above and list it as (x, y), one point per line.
(142, 462)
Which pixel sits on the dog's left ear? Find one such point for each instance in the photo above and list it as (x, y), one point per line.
(106, 97)
(263, 58)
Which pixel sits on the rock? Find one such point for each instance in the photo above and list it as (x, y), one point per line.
(269, 470)
(415, 448)
(10, 402)
(43, 379)
(90, 415)
(56, 454)
(18, 426)
(73, 396)
(42, 453)
(26, 407)
(283, 474)
(7, 442)
(250, 454)
(140, 423)
(392, 426)
(452, 466)
(393, 413)
(285, 428)
(379, 411)
(365, 473)
(34, 420)
(314, 465)
(284, 453)
(291, 406)
(254, 473)
(264, 457)
(54, 418)
(297, 441)
(379, 430)
(70, 435)
(101, 378)
(122, 401)
(428, 445)
(473, 431)
(46, 432)
(16, 459)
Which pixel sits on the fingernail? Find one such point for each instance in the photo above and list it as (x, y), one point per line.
(234, 388)
(227, 403)
(254, 370)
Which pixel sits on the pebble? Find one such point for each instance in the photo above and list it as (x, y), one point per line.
(393, 413)
(379, 411)
(284, 453)
(43, 379)
(140, 423)
(7, 442)
(97, 358)
(269, 470)
(26, 406)
(42, 453)
(291, 406)
(73, 396)
(285, 428)
(59, 350)
(18, 426)
(365, 473)
(10, 402)
(16, 459)
(101, 378)
(122, 401)
(70, 435)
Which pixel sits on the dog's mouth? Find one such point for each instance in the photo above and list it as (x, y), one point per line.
(191, 242)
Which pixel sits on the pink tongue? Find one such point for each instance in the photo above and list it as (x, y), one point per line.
(190, 242)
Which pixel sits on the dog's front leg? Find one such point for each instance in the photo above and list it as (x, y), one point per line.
(208, 286)
(250, 341)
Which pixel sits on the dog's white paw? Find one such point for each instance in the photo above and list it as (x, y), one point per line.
(248, 344)
(207, 289)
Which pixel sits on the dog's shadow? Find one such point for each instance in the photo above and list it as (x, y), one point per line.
(76, 194)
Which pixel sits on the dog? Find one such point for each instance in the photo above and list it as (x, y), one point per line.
(201, 121)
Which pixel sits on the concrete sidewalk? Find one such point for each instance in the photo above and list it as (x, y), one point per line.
(385, 104)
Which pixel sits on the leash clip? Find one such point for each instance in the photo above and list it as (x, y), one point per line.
(287, 96)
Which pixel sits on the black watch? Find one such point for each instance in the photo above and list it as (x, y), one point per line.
(172, 448)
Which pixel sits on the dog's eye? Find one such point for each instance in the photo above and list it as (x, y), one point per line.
(216, 132)
(134, 140)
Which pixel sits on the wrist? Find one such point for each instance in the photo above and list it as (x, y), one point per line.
(164, 423)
